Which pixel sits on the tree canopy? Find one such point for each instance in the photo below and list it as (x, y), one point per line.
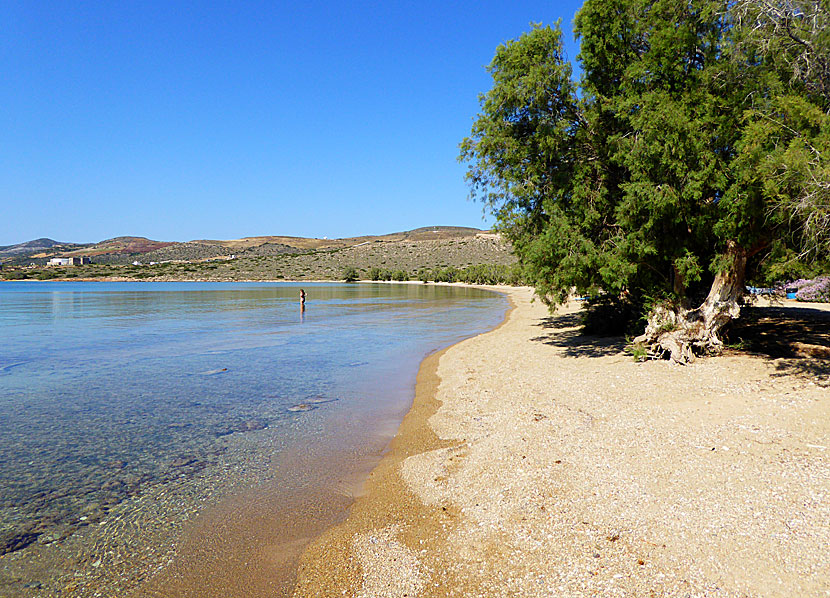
(691, 153)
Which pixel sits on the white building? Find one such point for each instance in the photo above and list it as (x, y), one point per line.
(68, 261)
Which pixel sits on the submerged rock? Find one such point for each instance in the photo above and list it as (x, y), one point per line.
(253, 424)
(11, 541)
(311, 403)
(320, 400)
(250, 425)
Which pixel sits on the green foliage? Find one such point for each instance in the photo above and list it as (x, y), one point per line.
(349, 274)
(48, 274)
(375, 273)
(400, 275)
(492, 274)
(448, 274)
(17, 274)
(687, 268)
(784, 264)
(738, 345)
(638, 351)
(683, 137)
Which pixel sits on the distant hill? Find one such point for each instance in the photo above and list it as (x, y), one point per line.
(409, 254)
(29, 247)
(305, 243)
(126, 249)
(122, 245)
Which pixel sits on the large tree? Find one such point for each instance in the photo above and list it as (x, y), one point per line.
(786, 136)
(689, 154)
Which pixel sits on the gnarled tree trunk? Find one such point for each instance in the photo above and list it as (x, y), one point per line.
(681, 333)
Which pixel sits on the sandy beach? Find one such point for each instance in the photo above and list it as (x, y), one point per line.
(536, 462)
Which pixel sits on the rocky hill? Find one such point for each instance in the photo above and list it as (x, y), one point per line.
(279, 257)
(125, 250)
(122, 246)
(40, 251)
(30, 247)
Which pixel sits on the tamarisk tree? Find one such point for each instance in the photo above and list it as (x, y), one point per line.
(689, 155)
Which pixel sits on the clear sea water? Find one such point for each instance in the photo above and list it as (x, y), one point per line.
(125, 405)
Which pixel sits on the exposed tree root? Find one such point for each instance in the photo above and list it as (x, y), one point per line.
(681, 334)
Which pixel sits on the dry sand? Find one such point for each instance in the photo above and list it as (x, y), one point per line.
(536, 462)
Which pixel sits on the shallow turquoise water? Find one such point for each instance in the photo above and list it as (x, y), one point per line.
(110, 389)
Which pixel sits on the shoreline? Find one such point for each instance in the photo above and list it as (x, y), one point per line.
(274, 530)
(536, 462)
(327, 566)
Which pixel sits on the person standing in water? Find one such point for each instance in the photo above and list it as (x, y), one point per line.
(302, 299)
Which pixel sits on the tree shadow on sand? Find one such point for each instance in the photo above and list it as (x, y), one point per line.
(798, 338)
(566, 333)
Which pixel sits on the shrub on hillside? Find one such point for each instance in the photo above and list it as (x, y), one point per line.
(16, 275)
(375, 273)
(478, 274)
(349, 274)
(48, 275)
(448, 274)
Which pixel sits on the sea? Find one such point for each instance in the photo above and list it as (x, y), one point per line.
(145, 426)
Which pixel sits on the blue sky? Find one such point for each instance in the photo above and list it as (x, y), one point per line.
(187, 120)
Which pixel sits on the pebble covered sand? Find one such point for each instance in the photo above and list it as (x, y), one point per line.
(536, 462)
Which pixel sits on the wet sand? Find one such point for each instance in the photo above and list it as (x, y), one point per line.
(249, 543)
(537, 462)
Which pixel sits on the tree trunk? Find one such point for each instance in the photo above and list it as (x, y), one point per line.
(682, 333)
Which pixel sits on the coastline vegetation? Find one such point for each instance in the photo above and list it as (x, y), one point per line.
(487, 274)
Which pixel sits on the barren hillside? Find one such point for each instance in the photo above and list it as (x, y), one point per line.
(291, 258)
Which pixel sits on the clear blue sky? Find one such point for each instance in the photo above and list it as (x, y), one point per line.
(186, 120)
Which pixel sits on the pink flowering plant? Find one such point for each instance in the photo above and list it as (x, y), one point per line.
(815, 290)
